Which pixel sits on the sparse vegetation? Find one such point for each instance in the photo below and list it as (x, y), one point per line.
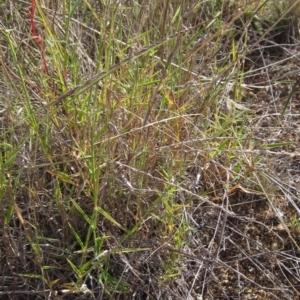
(149, 149)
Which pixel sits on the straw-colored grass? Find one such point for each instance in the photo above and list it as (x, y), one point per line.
(149, 150)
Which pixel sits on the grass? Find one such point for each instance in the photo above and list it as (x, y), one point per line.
(148, 151)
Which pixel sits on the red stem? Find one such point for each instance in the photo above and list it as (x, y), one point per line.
(37, 37)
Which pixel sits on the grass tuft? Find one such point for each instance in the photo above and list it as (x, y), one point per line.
(149, 150)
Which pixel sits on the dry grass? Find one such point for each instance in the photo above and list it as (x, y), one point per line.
(152, 151)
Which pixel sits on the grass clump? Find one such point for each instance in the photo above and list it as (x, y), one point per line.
(143, 152)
